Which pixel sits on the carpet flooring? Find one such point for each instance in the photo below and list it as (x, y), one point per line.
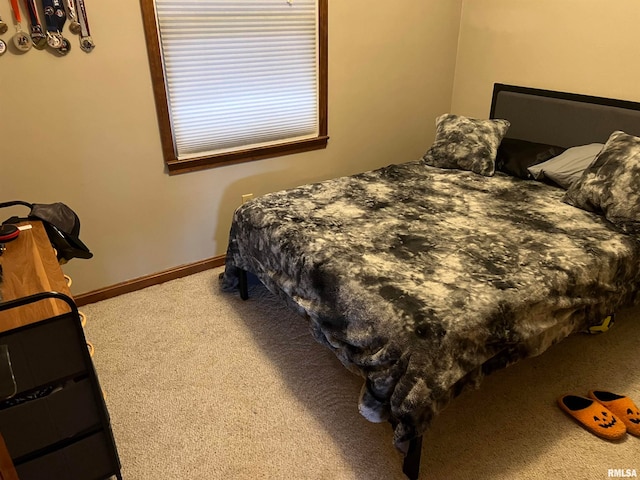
(201, 385)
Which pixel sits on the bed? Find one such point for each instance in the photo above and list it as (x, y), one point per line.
(424, 276)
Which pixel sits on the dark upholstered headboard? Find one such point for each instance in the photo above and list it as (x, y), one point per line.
(563, 119)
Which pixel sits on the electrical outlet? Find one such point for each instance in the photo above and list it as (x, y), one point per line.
(246, 197)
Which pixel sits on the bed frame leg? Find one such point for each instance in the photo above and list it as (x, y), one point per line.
(411, 465)
(243, 286)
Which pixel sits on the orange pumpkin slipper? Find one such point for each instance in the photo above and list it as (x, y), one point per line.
(621, 406)
(593, 416)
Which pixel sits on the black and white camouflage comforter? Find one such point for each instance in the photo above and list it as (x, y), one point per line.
(422, 280)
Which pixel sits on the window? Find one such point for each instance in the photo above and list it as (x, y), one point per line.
(237, 80)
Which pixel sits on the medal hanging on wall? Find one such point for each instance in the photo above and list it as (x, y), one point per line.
(55, 18)
(86, 42)
(21, 40)
(3, 29)
(38, 37)
(72, 16)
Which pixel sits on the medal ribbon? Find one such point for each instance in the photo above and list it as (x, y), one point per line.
(33, 15)
(33, 12)
(16, 11)
(54, 14)
(20, 39)
(71, 10)
(82, 19)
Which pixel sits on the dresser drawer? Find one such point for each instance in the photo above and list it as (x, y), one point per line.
(46, 351)
(88, 459)
(39, 423)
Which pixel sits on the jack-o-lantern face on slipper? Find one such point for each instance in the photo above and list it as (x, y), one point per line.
(634, 417)
(596, 418)
(606, 421)
(622, 406)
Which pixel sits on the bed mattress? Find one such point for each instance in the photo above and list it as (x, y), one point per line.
(423, 280)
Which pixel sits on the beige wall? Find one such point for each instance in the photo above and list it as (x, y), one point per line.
(82, 130)
(581, 46)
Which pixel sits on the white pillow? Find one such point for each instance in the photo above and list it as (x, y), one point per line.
(567, 167)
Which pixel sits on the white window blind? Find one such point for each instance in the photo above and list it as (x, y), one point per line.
(239, 74)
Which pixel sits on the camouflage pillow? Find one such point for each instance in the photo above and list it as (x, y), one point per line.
(611, 185)
(466, 143)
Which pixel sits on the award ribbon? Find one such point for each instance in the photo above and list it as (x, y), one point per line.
(37, 34)
(55, 17)
(74, 26)
(21, 40)
(86, 42)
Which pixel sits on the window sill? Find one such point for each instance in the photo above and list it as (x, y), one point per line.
(176, 167)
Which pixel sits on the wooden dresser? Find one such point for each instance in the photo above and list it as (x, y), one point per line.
(56, 424)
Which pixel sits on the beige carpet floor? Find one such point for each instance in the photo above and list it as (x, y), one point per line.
(201, 385)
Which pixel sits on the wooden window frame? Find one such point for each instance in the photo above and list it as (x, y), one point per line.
(174, 165)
